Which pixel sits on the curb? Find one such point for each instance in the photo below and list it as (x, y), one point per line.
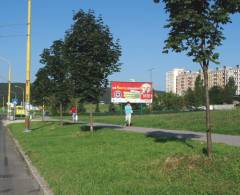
(33, 170)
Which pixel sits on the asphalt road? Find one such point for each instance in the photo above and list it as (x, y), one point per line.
(15, 178)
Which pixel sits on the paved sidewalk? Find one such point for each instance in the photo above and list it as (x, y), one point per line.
(179, 134)
(155, 132)
(15, 178)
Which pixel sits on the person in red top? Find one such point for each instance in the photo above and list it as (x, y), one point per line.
(74, 113)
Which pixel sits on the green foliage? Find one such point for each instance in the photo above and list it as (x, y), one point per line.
(115, 162)
(216, 94)
(78, 66)
(196, 28)
(15, 92)
(199, 92)
(190, 98)
(167, 101)
(91, 54)
(219, 95)
(230, 91)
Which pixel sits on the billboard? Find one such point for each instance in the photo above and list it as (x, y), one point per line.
(134, 92)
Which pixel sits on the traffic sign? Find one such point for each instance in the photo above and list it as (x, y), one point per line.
(15, 101)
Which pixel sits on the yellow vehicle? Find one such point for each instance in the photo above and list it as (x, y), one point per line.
(20, 110)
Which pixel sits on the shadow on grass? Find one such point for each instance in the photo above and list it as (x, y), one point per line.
(98, 127)
(47, 124)
(163, 137)
(72, 123)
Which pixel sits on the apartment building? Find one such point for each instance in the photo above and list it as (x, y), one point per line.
(184, 81)
(171, 79)
(179, 80)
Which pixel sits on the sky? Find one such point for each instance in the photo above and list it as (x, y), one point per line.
(138, 25)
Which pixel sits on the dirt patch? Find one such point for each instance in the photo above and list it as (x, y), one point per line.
(190, 162)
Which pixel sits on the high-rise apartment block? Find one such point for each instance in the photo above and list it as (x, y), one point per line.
(179, 80)
(184, 81)
(171, 80)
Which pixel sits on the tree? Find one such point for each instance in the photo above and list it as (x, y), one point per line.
(230, 91)
(78, 67)
(53, 79)
(216, 94)
(189, 98)
(92, 55)
(169, 101)
(199, 92)
(196, 27)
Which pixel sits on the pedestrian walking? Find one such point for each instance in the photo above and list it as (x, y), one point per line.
(128, 113)
(74, 114)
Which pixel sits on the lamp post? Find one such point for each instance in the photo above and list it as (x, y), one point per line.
(16, 86)
(9, 86)
(28, 63)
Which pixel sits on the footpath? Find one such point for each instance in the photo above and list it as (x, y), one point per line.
(178, 134)
(233, 140)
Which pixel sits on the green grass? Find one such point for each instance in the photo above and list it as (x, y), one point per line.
(74, 161)
(224, 122)
(91, 107)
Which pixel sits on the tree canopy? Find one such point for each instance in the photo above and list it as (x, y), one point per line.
(196, 28)
(79, 65)
(230, 91)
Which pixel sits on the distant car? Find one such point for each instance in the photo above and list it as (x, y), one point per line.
(204, 107)
(101, 102)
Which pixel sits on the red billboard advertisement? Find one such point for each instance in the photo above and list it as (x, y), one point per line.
(134, 92)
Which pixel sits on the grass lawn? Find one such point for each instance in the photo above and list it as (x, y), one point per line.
(74, 161)
(224, 122)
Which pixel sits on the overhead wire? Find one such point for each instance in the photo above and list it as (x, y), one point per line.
(12, 35)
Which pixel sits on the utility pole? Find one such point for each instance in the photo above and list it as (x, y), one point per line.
(27, 100)
(9, 92)
(150, 70)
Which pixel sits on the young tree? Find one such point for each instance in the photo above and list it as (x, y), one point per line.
(230, 91)
(92, 55)
(216, 94)
(196, 27)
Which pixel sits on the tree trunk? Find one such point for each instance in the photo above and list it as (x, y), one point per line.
(43, 112)
(61, 114)
(208, 118)
(97, 107)
(91, 121)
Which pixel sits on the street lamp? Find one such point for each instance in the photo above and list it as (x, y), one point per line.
(16, 86)
(9, 85)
